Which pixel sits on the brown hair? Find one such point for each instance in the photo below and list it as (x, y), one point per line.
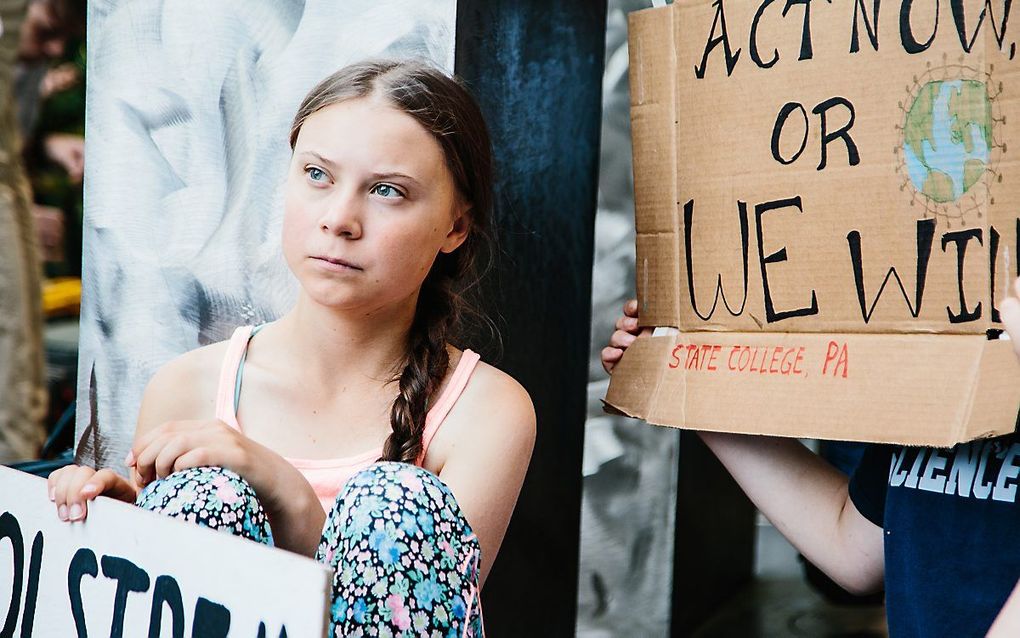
(445, 108)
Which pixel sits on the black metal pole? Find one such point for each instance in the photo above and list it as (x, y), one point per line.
(536, 68)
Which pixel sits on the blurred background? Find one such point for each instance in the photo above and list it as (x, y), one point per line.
(42, 151)
(666, 544)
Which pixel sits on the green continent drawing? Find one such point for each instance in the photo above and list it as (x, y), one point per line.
(947, 135)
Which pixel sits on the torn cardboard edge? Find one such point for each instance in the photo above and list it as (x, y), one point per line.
(933, 390)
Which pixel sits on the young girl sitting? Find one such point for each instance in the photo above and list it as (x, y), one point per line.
(350, 429)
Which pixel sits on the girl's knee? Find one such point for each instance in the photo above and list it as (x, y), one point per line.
(397, 493)
(401, 483)
(217, 482)
(396, 524)
(214, 497)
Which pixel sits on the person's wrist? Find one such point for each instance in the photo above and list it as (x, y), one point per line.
(250, 462)
(267, 472)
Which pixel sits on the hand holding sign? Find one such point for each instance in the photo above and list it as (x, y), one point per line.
(627, 330)
(72, 487)
(1010, 311)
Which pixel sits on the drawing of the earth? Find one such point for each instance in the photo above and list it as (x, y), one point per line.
(947, 135)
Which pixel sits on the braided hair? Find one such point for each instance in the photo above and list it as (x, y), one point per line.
(444, 108)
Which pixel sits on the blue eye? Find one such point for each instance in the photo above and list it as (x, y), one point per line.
(386, 190)
(315, 173)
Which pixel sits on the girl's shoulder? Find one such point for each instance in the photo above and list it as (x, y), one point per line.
(492, 388)
(492, 409)
(184, 387)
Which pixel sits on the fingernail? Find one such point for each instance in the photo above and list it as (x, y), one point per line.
(129, 460)
(76, 512)
(53, 494)
(88, 490)
(62, 512)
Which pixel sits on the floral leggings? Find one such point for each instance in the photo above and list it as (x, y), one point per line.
(404, 559)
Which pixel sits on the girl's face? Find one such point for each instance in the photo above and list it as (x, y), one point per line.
(369, 205)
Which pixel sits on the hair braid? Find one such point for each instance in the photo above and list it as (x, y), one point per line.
(428, 361)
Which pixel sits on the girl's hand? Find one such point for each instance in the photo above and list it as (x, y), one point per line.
(627, 331)
(290, 503)
(72, 487)
(180, 445)
(1009, 309)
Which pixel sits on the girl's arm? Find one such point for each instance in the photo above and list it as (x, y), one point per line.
(169, 438)
(803, 496)
(177, 430)
(484, 449)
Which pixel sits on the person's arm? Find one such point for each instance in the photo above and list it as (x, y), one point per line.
(486, 445)
(803, 496)
(169, 439)
(808, 501)
(175, 431)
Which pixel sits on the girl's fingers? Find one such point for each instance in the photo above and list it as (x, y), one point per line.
(51, 483)
(145, 458)
(630, 324)
(610, 357)
(74, 504)
(58, 489)
(1016, 287)
(162, 432)
(612, 354)
(157, 433)
(174, 448)
(192, 458)
(622, 339)
(630, 308)
(1009, 311)
(108, 483)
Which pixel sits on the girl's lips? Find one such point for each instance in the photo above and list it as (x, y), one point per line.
(335, 263)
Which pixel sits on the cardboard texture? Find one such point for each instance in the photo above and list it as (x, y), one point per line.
(831, 183)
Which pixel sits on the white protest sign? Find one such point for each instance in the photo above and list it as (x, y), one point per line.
(126, 572)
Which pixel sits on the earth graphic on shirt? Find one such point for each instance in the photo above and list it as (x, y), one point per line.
(947, 135)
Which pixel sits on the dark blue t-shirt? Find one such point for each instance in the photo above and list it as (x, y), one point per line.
(952, 532)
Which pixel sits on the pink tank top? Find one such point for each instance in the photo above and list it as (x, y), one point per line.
(327, 476)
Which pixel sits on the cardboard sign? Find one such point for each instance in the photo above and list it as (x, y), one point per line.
(128, 572)
(828, 209)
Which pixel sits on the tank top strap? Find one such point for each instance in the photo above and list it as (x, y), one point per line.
(441, 408)
(226, 391)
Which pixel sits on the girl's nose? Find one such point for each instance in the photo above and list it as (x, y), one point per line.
(342, 216)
